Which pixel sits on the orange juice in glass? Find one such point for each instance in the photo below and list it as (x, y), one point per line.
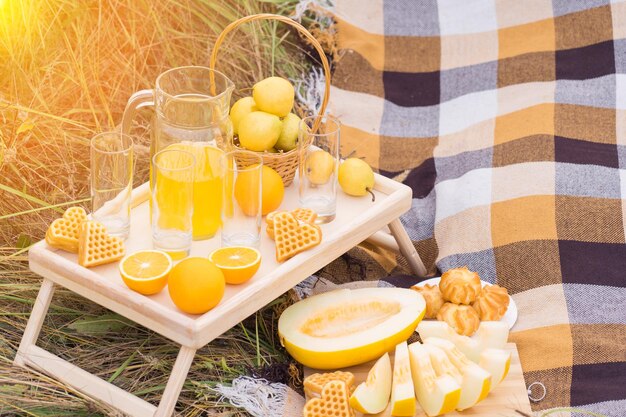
(207, 187)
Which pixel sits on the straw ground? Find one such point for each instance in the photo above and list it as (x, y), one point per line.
(67, 68)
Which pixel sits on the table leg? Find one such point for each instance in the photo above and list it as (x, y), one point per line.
(175, 382)
(37, 316)
(407, 249)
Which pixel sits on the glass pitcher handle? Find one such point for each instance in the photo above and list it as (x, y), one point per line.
(141, 98)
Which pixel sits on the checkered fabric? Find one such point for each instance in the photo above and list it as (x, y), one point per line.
(508, 120)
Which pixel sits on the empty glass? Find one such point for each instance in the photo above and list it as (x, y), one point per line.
(241, 213)
(172, 188)
(318, 145)
(111, 181)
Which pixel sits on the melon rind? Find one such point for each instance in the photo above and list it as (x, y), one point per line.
(355, 348)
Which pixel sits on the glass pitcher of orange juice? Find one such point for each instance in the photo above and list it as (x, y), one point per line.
(191, 114)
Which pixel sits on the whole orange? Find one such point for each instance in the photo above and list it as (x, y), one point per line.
(272, 191)
(196, 285)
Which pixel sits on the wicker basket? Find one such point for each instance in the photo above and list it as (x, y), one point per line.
(285, 163)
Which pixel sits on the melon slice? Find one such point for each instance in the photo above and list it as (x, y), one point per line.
(372, 396)
(402, 391)
(347, 327)
(497, 362)
(437, 393)
(490, 334)
(475, 381)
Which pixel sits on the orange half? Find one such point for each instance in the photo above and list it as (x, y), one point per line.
(238, 263)
(146, 271)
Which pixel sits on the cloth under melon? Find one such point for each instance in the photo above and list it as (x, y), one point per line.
(348, 327)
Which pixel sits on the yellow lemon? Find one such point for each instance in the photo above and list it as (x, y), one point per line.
(259, 131)
(240, 109)
(196, 285)
(238, 263)
(274, 95)
(272, 191)
(146, 271)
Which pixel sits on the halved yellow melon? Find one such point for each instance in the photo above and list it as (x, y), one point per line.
(437, 393)
(402, 390)
(475, 381)
(348, 327)
(490, 334)
(372, 396)
(497, 362)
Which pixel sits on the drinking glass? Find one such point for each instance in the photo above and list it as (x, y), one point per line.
(318, 146)
(241, 214)
(172, 188)
(111, 181)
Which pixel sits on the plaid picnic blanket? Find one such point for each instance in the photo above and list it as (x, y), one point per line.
(508, 120)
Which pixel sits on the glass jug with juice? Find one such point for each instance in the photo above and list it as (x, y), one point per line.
(191, 114)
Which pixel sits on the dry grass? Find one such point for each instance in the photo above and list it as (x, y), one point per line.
(67, 68)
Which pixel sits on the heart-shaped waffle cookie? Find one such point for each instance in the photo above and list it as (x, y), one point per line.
(97, 247)
(334, 402)
(293, 237)
(63, 233)
(301, 214)
(314, 383)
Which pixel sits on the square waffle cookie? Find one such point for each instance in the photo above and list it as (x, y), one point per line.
(63, 233)
(293, 237)
(314, 383)
(97, 247)
(301, 214)
(334, 402)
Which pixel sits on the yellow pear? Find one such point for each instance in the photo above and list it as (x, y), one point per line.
(320, 165)
(289, 135)
(240, 109)
(356, 177)
(259, 131)
(274, 95)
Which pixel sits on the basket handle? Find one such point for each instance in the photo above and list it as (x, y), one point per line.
(269, 16)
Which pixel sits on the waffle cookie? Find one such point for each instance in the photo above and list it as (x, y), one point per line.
(301, 214)
(314, 383)
(334, 402)
(63, 233)
(293, 237)
(96, 247)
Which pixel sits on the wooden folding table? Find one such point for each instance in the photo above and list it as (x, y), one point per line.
(357, 219)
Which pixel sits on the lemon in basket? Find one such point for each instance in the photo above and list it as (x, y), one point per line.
(238, 263)
(274, 95)
(259, 131)
(146, 271)
(240, 109)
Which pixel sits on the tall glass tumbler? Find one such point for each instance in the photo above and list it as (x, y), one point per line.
(172, 187)
(111, 181)
(241, 213)
(318, 146)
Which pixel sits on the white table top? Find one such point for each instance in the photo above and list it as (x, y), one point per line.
(357, 218)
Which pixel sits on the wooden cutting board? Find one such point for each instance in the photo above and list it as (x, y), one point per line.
(509, 396)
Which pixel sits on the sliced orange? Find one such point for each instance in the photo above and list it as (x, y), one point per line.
(238, 263)
(146, 271)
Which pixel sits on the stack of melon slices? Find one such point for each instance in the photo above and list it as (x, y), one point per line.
(436, 374)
